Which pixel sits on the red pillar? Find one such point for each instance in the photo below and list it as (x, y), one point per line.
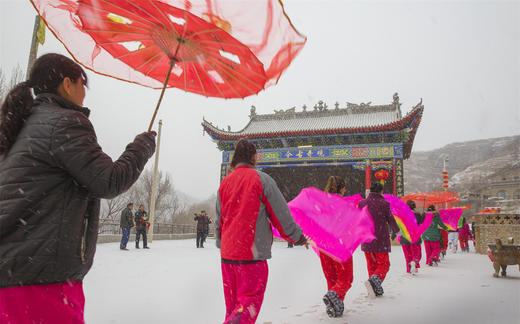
(368, 177)
(393, 173)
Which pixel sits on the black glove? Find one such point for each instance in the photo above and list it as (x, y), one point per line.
(147, 140)
(393, 236)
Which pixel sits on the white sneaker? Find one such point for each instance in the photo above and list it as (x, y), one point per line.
(413, 269)
(370, 290)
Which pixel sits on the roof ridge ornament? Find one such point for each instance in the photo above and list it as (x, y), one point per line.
(320, 106)
(396, 102)
(252, 112)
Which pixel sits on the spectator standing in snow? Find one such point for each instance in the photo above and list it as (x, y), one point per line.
(464, 236)
(453, 240)
(412, 250)
(202, 228)
(376, 252)
(141, 226)
(432, 238)
(127, 222)
(52, 175)
(248, 202)
(339, 276)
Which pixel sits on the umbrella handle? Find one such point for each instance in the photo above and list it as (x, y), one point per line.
(172, 63)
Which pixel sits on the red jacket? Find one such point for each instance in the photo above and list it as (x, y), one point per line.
(248, 202)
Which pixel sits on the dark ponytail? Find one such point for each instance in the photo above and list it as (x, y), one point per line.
(335, 184)
(15, 109)
(46, 76)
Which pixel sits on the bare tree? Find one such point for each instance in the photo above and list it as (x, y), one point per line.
(167, 202)
(111, 211)
(16, 77)
(187, 216)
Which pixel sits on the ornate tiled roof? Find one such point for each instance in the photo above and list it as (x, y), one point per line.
(324, 121)
(321, 119)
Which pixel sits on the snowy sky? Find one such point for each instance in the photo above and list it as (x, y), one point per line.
(461, 57)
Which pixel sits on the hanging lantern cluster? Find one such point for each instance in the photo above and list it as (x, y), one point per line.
(382, 175)
(445, 180)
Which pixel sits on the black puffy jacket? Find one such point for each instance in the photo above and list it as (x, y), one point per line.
(50, 185)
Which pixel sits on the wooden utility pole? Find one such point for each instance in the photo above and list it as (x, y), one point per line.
(154, 183)
(34, 46)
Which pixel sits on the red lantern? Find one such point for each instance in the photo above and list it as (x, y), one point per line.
(382, 175)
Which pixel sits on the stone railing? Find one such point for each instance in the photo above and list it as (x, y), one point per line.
(490, 227)
(111, 232)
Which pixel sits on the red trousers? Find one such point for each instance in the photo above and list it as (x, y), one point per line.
(444, 244)
(244, 288)
(378, 263)
(43, 304)
(463, 241)
(339, 275)
(433, 249)
(412, 252)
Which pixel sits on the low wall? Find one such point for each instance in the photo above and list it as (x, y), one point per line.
(110, 238)
(490, 227)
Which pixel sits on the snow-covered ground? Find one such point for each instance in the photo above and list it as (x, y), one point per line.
(174, 282)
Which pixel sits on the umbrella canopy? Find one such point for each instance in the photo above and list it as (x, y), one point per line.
(214, 48)
(160, 42)
(440, 199)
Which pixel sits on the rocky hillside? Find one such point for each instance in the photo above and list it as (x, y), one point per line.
(469, 163)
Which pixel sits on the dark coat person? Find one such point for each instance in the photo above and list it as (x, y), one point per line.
(127, 222)
(141, 226)
(376, 252)
(126, 217)
(53, 174)
(203, 222)
(379, 209)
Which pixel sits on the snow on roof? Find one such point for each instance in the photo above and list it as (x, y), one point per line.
(362, 117)
(317, 122)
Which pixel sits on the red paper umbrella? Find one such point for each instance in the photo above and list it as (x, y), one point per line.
(198, 46)
(441, 199)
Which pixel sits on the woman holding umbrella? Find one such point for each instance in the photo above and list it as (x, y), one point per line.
(52, 176)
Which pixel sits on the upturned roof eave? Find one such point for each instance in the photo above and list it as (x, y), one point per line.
(222, 135)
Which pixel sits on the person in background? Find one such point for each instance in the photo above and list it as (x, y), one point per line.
(412, 250)
(376, 252)
(126, 223)
(339, 276)
(432, 238)
(473, 230)
(453, 240)
(464, 235)
(248, 202)
(202, 228)
(53, 174)
(141, 226)
(206, 229)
